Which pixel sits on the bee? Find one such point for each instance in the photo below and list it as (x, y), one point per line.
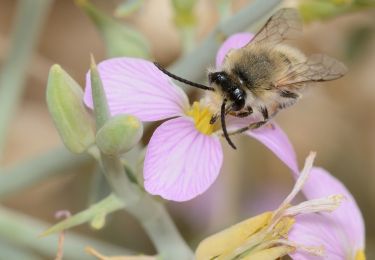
(266, 75)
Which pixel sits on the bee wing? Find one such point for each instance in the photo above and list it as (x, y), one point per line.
(284, 24)
(317, 67)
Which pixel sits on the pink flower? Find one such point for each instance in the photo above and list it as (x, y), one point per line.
(184, 155)
(265, 236)
(341, 232)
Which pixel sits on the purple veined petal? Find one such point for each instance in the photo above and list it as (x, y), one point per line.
(235, 41)
(348, 215)
(137, 87)
(272, 136)
(180, 162)
(319, 230)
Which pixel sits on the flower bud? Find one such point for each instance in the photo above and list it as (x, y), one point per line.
(65, 104)
(184, 12)
(98, 221)
(119, 134)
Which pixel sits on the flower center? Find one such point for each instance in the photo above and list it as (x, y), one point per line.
(360, 255)
(275, 232)
(202, 116)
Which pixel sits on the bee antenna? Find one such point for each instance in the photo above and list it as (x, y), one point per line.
(222, 117)
(197, 85)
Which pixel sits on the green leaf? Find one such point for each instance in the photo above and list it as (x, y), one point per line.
(94, 214)
(128, 7)
(120, 40)
(119, 134)
(72, 120)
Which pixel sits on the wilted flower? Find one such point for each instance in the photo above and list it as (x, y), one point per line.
(266, 236)
(184, 155)
(341, 232)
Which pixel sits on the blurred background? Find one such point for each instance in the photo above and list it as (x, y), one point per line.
(336, 119)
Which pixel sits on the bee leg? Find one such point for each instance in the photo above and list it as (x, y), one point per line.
(214, 118)
(252, 126)
(255, 125)
(249, 111)
(265, 113)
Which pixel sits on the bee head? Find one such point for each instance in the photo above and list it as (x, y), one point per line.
(220, 78)
(230, 88)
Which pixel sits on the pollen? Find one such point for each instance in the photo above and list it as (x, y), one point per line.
(360, 255)
(202, 116)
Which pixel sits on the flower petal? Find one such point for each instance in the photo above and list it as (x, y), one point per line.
(278, 142)
(341, 232)
(318, 230)
(228, 240)
(181, 162)
(322, 184)
(135, 86)
(235, 41)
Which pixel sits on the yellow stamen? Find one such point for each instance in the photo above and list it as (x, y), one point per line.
(266, 236)
(202, 116)
(360, 255)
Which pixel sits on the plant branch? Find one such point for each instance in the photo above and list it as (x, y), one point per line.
(35, 170)
(28, 22)
(10, 251)
(194, 64)
(151, 214)
(22, 230)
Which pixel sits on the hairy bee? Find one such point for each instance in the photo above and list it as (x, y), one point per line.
(266, 75)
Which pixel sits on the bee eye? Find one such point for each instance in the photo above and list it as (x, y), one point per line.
(221, 77)
(217, 77)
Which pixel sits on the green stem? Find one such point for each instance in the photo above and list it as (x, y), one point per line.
(152, 215)
(187, 34)
(9, 251)
(22, 230)
(28, 22)
(160, 227)
(185, 66)
(37, 169)
(193, 65)
(99, 188)
(225, 8)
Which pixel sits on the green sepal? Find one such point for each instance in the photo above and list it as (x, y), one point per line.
(95, 214)
(101, 109)
(120, 40)
(119, 134)
(65, 104)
